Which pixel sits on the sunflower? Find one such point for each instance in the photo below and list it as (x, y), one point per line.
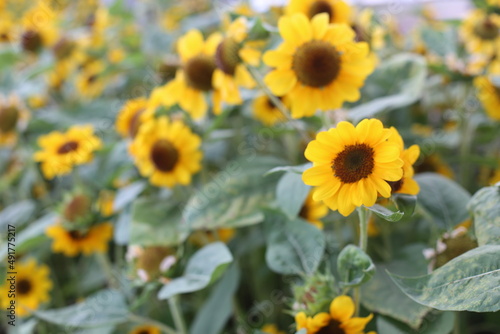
(337, 10)
(194, 78)
(73, 242)
(134, 113)
(145, 329)
(407, 185)
(231, 58)
(38, 28)
(318, 65)
(61, 151)
(434, 163)
(13, 115)
(265, 111)
(489, 95)
(313, 211)
(32, 286)
(480, 31)
(167, 152)
(338, 320)
(90, 83)
(352, 164)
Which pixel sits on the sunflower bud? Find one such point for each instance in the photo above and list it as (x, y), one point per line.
(315, 295)
(152, 262)
(77, 209)
(9, 115)
(63, 48)
(31, 41)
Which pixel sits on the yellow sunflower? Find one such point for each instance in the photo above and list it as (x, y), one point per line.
(489, 95)
(337, 10)
(167, 152)
(271, 329)
(230, 58)
(134, 113)
(480, 32)
(31, 288)
(38, 28)
(90, 83)
(339, 319)
(73, 242)
(7, 26)
(352, 164)
(194, 79)
(407, 185)
(13, 116)
(145, 329)
(61, 151)
(266, 111)
(318, 65)
(313, 211)
(434, 163)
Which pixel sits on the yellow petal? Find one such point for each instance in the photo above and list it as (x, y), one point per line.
(320, 25)
(342, 308)
(190, 44)
(250, 56)
(295, 29)
(278, 59)
(280, 82)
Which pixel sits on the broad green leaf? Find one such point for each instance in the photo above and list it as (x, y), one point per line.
(293, 245)
(31, 235)
(127, 194)
(355, 267)
(385, 213)
(405, 207)
(291, 193)
(258, 30)
(217, 309)
(469, 282)
(441, 42)
(8, 59)
(443, 199)
(204, 267)
(122, 227)
(396, 83)
(17, 213)
(382, 295)
(434, 323)
(156, 222)
(485, 207)
(105, 307)
(235, 196)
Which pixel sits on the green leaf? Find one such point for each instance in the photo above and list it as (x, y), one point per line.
(434, 323)
(385, 213)
(235, 196)
(355, 267)
(443, 199)
(105, 307)
(293, 245)
(382, 295)
(397, 82)
(128, 194)
(217, 309)
(257, 31)
(441, 42)
(17, 213)
(8, 59)
(405, 203)
(156, 222)
(469, 282)
(291, 169)
(486, 211)
(291, 193)
(204, 267)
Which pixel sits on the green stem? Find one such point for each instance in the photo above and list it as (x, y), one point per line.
(458, 324)
(107, 269)
(176, 314)
(363, 242)
(140, 319)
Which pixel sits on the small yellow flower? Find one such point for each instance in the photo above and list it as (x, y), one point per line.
(434, 163)
(167, 152)
(106, 203)
(116, 55)
(266, 111)
(12, 116)
(90, 83)
(74, 242)
(313, 211)
(32, 286)
(338, 11)
(145, 329)
(352, 164)
(39, 29)
(133, 114)
(489, 95)
(339, 319)
(319, 65)
(62, 151)
(480, 32)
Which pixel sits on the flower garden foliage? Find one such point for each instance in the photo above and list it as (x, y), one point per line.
(198, 167)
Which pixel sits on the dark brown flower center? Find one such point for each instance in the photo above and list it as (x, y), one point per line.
(199, 71)
(316, 63)
(395, 185)
(8, 118)
(4, 37)
(91, 79)
(227, 57)
(164, 155)
(76, 235)
(77, 207)
(23, 286)
(486, 30)
(319, 7)
(63, 48)
(332, 328)
(67, 147)
(167, 70)
(354, 163)
(31, 41)
(135, 123)
(271, 104)
(143, 331)
(304, 212)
